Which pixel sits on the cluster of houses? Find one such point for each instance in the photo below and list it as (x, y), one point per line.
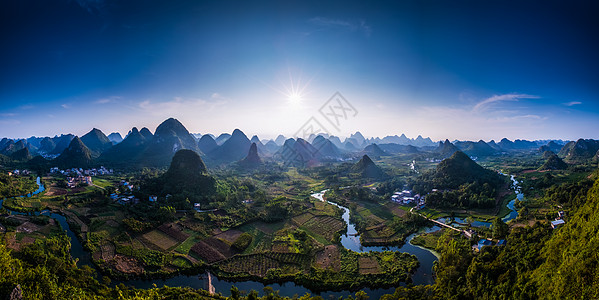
(406, 197)
(125, 196)
(19, 172)
(73, 182)
(485, 242)
(79, 171)
(559, 221)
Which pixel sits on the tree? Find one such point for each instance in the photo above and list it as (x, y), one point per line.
(166, 213)
(500, 229)
(234, 292)
(469, 220)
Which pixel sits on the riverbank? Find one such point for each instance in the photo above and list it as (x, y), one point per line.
(377, 269)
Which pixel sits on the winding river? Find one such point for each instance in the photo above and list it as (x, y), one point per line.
(350, 240)
(461, 222)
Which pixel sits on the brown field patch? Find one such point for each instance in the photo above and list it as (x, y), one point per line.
(266, 228)
(396, 210)
(374, 219)
(220, 246)
(27, 240)
(55, 191)
(206, 252)
(326, 227)
(174, 231)
(281, 247)
(301, 219)
(160, 239)
(329, 258)
(127, 264)
(27, 227)
(108, 251)
(368, 265)
(229, 235)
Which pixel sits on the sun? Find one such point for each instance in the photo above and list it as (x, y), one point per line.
(293, 88)
(295, 98)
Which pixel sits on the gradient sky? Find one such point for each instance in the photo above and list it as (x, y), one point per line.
(444, 69)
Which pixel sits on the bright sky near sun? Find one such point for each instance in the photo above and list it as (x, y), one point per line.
(445, 69)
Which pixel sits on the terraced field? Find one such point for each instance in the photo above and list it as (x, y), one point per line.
(158, 238)
(259, 264)
(326, 227)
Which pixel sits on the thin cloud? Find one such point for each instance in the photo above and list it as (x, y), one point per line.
(572, 103)
(10, 122)
(106, 100)
(92, 6)
(360, 26)
(483, 105)
(178, 105)
(66, 106)
(7, 115)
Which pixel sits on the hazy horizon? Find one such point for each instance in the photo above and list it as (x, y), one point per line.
(461, 70)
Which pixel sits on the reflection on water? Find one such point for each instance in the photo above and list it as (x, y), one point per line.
(350, 240)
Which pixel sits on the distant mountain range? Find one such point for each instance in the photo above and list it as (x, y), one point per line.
(142, 148)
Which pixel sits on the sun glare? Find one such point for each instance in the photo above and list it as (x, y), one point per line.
(294, 89)
(294, 98)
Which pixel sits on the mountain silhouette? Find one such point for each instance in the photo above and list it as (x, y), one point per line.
(367, 168)
(459, 169)
(374, 150)
(580, 150)
(252, 160)
(233, 149)
(479, 149)
(96, 141)
(115, 138)
(186, 178)
(169, 137)
(47, 145)
(207, 144)
(126, 152)
(76, 155)
(326, 148)
(553, 162)
(62, 142)
(446, 149)
(147, 134)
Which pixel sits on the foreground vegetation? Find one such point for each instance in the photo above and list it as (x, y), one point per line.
(264, 226)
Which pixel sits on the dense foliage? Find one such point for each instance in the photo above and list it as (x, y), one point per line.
(460, 182)
(15, 186)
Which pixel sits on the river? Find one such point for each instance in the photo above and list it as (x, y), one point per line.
(349, 240)
(461, 222)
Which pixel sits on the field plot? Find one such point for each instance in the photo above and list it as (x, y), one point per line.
(163, 241)
(396, 210)
(259, 264)
(301, 219)
(268, 228)
(368, 265)
(230, 235)
(323, 208)
(220, 246)
(174, 232)
(329, 258)
(206, 252)
(181, 262)
(380, 235)
(326, 227)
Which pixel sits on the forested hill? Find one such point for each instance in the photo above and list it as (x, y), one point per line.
(571, 267)
(460, 169)
(537, 263)
(461, 183)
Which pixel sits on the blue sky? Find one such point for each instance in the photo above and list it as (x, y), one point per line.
(458, 70)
